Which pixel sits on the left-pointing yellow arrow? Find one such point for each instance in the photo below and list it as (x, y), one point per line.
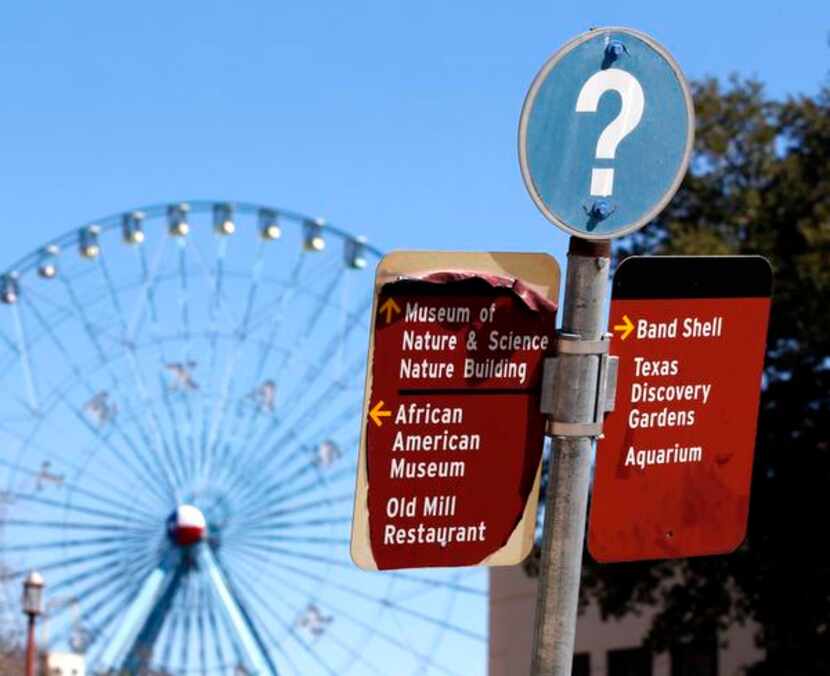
(377, 414)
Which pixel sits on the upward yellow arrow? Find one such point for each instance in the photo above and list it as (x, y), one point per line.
(390, 307)
(626, 327)
(377, 413)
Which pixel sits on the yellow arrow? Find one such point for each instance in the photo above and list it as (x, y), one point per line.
(626, 327)
(390, 307)
(377, 413)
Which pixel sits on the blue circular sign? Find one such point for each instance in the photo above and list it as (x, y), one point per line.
(606, 133)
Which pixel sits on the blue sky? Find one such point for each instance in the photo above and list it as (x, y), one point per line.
(395, 120)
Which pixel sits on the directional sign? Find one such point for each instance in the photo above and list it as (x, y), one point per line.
(451, 447)
(606, 133)
(673, 471)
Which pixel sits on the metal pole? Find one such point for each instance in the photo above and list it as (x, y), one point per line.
(574, 401)
(31, 649)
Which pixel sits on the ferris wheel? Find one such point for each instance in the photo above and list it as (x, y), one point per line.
(180, 391)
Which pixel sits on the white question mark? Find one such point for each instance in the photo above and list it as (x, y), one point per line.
(633, 103)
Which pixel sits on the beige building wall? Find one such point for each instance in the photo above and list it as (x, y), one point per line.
(512, 611)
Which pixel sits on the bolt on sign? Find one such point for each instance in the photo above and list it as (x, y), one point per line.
(451, 445)
(673, 471)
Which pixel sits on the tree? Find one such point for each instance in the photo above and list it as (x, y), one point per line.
(759, 184)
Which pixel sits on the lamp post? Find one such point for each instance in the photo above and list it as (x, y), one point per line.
(32, 606)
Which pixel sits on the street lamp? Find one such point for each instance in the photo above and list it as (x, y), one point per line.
(32, 606)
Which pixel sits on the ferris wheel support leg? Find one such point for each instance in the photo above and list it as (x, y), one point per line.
(131, 648)
(247, 637)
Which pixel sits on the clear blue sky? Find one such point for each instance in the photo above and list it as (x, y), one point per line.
(395, 120)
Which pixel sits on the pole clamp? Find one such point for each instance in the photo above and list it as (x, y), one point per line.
(564, 371)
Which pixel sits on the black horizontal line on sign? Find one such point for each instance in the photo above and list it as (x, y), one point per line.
(412, 392)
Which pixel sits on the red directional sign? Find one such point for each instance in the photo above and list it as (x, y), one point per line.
(452, 434)
(673, 471)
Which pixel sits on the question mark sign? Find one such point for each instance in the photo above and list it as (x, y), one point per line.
(633, 103)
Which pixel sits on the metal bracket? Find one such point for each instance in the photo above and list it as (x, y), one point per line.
(604, 389)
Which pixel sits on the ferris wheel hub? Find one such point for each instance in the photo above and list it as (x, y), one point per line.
(186, 526)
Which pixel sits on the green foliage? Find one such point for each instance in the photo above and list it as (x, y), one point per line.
(759, 184)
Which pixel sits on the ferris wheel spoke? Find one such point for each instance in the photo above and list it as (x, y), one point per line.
(345, 614)
(261, 519)
(264, 488)
(264, 524)
(129, 515)
(63, 525)
(281, 497)
(268, 491)
(227, 629)
(130, 647)
(307, 540)
(302, 422)
(262, 464)
(253, 288)
(276, 318)
(174, 623)
(189, 468)
(218, 429)
(59, 565)
(272, 642)
(213, 624)
(246, 634)
(85, 423)
(277, 491)
(312, 322)
(284, 496)
(29, 446)
(452, 583)
(326, 430)
(289, 630)
(113, 296)
(187, 641)
(106, 558)
(149, 478)
(331, 635)
(158, 440)
(112, 591)
(60, 544)
(9, 343)
(200, 628)
(308, 380)
(329, 353)
(148, 299)
(272, 534)
(278, 526)
(177, 456)
(44, 478)
(149, 273)
(240, 335)
(25, 360)
(130, 509)
(354, 591)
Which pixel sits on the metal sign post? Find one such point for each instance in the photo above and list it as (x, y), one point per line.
(605, 138)
(576, 403)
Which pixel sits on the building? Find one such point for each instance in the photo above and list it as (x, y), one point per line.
(64, 664)
(611, 648)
